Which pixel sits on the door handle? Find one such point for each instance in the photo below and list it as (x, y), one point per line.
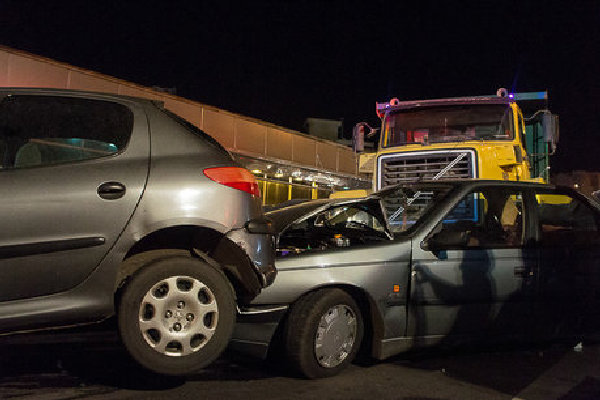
(111, 190)
(523, 272)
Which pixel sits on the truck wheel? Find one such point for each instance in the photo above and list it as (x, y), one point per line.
(323, 333)
(176, 315)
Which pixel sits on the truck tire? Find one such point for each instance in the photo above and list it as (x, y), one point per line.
(176, 314)
(323, 333)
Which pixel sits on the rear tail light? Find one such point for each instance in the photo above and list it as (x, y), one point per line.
(237, 178)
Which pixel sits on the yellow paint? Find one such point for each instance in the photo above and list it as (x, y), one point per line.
(553, 199)
(349, 194)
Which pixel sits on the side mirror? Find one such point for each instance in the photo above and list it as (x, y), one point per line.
(551, 129)
(358, 136)
(431, 243)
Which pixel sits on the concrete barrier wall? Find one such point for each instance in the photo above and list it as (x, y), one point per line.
(235, 132)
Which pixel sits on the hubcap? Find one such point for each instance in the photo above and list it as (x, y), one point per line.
(335, 336)
(178, 316)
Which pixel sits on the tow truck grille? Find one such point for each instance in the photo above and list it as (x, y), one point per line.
(411, 167)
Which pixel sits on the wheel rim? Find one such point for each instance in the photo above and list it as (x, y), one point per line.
(178, 316)
(335, 337)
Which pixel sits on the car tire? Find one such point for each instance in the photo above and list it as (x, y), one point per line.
(176, 314)
(323, 333)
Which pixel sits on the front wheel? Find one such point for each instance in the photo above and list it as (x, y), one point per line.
(323, 333)
(176, 315)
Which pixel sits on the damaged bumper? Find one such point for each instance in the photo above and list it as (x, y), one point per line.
(258, 242)
(255, 329)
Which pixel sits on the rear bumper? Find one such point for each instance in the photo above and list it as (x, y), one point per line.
(260, 250)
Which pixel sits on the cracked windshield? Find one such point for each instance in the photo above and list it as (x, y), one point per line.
(406, 206)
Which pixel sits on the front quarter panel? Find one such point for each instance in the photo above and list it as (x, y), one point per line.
(381, 271)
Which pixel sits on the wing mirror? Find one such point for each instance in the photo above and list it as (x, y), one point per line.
(430, 244)
(551, 129)
(358, 136)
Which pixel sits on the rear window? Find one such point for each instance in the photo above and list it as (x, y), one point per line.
(46, 130)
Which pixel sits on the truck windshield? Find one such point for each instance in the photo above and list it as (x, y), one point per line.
(455, 123)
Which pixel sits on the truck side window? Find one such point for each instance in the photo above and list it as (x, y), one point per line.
(521, 128)
(489, 218)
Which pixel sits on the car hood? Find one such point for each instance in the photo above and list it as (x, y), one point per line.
(284, 217)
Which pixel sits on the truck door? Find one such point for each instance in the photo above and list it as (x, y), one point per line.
(476, 277)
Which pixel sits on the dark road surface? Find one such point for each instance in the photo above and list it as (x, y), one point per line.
(103, 371)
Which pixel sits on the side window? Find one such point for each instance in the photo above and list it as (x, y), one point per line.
(566, 221)
(521, 127)
(45, 130)
(489, 218)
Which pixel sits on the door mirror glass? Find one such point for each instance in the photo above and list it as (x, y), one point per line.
(551, 129)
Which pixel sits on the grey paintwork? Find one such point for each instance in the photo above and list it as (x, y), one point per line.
(442, 296)
(161, 168)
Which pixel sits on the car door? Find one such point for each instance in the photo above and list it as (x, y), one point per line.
(569, 278)
(73, 170)
(474, 276)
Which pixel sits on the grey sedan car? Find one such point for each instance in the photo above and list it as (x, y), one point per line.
(427, 264)
(112, 205)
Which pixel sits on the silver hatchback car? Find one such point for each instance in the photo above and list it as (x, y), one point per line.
(113, 205)
(427, 264)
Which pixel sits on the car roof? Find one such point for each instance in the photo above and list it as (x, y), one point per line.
(284, 216)
(71, 92)
(467, 183)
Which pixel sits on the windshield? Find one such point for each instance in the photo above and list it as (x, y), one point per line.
(456, 123)
(406, 206)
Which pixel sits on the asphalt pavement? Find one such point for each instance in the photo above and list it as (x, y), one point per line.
(103, 371)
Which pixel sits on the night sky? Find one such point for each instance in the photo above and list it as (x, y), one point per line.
(283, 61)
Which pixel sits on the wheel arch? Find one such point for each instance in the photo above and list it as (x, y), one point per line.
(372, 319)
(201, 242)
